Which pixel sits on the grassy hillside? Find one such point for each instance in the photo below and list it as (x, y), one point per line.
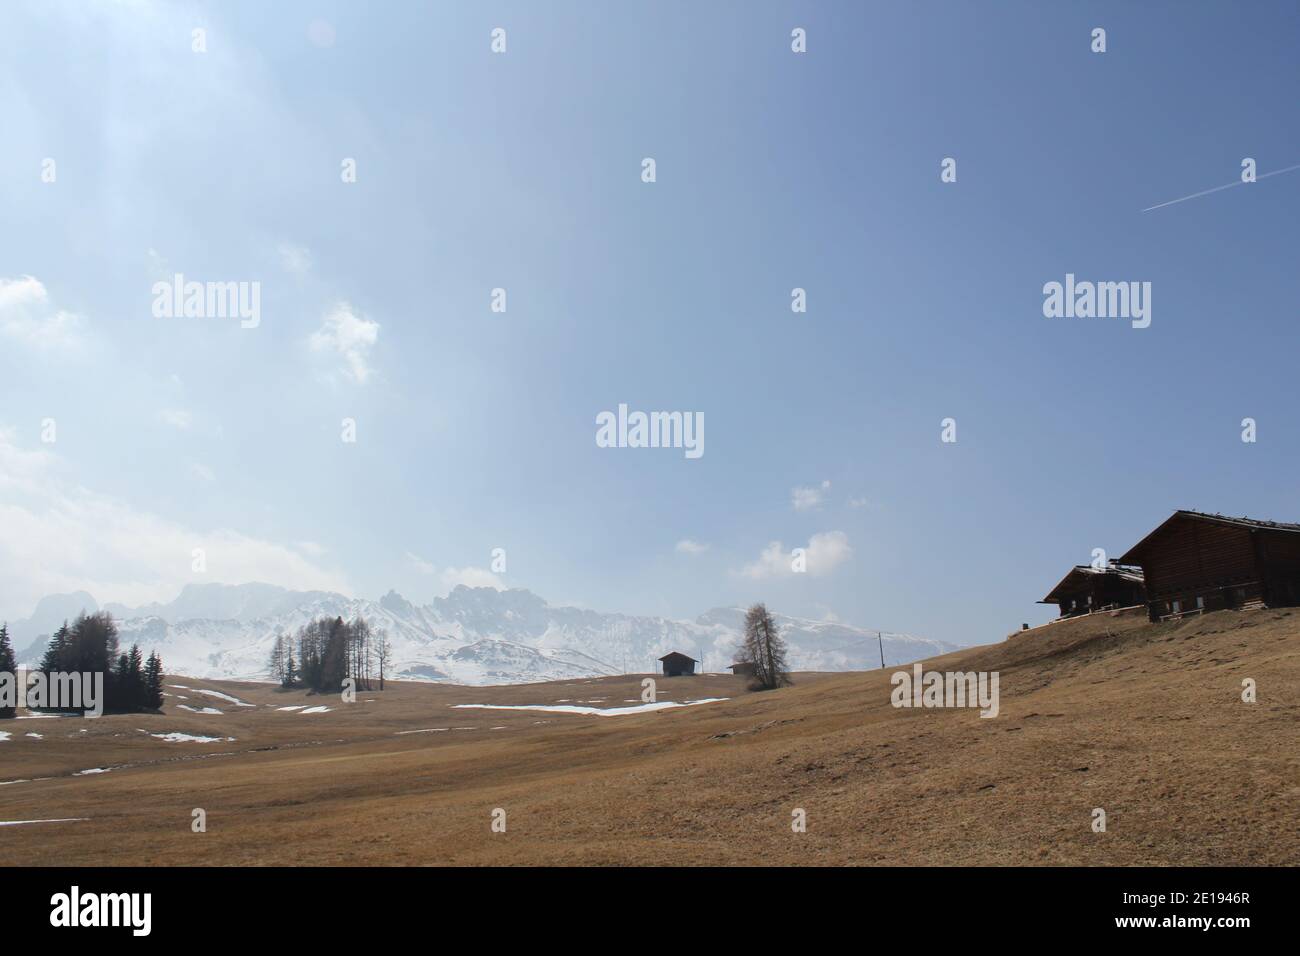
(1145, 721)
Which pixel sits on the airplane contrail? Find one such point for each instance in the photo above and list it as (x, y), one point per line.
(1206, 192)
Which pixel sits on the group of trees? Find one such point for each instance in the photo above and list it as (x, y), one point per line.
(7, 666)
(327, 651)
(764, 649)
(90, 645)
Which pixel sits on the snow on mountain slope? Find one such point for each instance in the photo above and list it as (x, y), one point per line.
(475, 635)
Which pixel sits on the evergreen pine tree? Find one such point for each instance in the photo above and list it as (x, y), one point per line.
(134, 691)
(334, 662)
(153, 682)
(8, 671)
(119, 694)
(56, 651)
(92, 648)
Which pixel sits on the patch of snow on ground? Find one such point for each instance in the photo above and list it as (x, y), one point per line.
(208, 693)
(220, 696)
(37, 736)
(179, 738)
(429, 730)
(595, 711)
(294, 707)
(199, 710)
(4, 735)
(18, 823)
(82, 773)
(317, 710)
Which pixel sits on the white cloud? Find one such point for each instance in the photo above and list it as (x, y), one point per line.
(202, 472)
(351, 336)
(296, 260)
(26, 317)
(419, 564)
(471, 578)
(858, 502)
(824, 552)
(60, 536)
(321, 34)
(687, 546)
(176, 417)
(804, 499)
(450, 577)
(158, 267)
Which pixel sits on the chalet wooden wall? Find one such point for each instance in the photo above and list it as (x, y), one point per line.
(1209, 562)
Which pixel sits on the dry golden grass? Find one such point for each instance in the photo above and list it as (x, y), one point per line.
(1145, 721)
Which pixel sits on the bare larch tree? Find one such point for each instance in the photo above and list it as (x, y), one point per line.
(384, 653)
(764, 648)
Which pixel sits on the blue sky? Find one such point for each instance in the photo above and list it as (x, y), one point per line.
(522, 170)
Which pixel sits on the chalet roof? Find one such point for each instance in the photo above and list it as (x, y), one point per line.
(1254, 524)
(675, 654)
(1076, 575)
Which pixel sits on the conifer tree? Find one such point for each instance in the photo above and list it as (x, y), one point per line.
(384, 652)
(334, 664)
(9, 667)
(56, 651)
(153, 682)
(118, 690)
(764, 648)
(133, 691)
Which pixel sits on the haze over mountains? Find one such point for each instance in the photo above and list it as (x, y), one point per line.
(472, 636)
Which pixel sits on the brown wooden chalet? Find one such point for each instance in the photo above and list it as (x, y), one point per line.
(1086, 589)
(1202, 562)
(676, 664)
(743, 668)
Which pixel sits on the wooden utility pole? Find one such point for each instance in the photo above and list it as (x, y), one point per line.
(881, 641)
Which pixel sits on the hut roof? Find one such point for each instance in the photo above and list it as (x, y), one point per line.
(673, 655)
(1254, 524)
(1078, 574)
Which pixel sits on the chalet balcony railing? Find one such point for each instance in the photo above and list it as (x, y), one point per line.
(1244, 604)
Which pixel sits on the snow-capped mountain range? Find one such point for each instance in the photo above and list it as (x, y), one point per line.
(472, 636)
